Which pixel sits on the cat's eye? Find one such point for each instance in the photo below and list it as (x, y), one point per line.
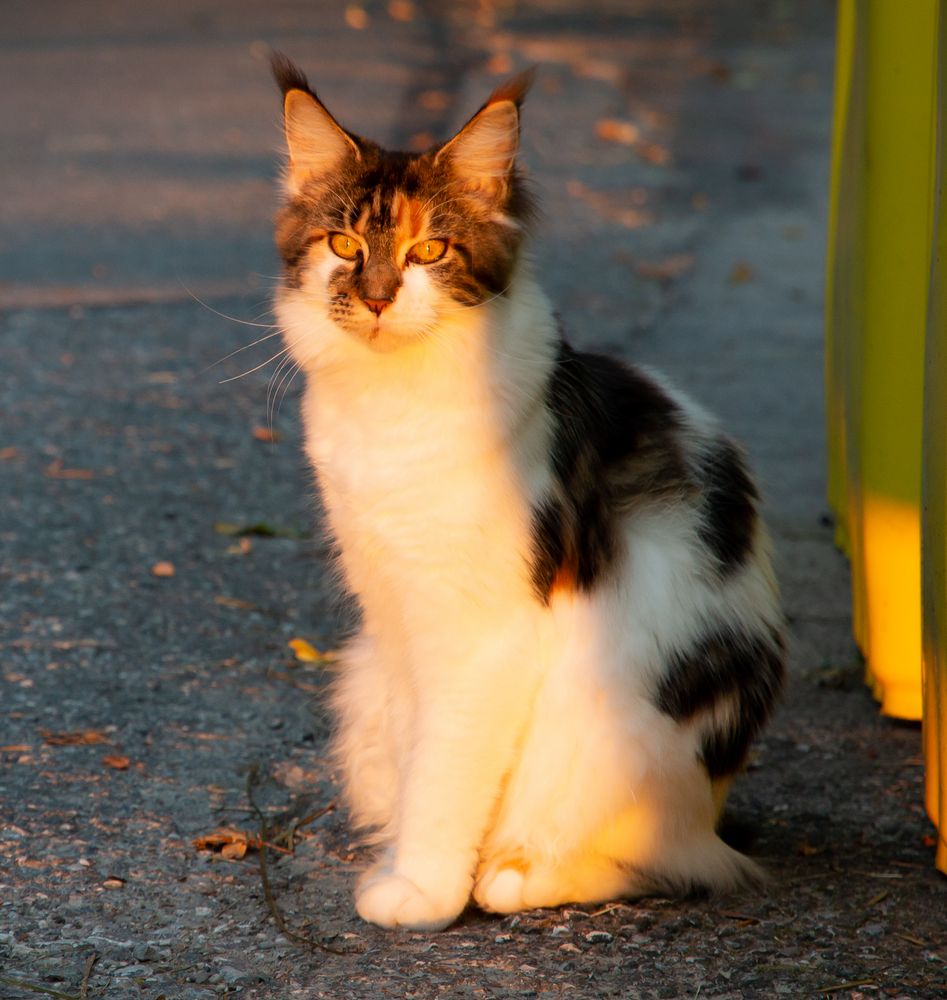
(427, 251)
(344, 246)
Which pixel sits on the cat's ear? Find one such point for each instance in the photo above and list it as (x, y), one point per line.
(317, 143)
(483, 152)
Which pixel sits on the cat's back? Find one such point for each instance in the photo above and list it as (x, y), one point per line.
(629, 454)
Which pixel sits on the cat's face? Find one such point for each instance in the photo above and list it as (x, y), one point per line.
(388, 243)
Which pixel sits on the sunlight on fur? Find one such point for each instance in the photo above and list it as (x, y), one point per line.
(570, 633)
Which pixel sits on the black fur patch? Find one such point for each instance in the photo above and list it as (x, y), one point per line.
(728, 509)
(613, 442)
(725, 664)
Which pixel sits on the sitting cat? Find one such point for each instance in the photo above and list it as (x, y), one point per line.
(570, 632)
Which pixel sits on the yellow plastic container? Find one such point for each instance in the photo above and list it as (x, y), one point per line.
(879, 252)
(934, 515)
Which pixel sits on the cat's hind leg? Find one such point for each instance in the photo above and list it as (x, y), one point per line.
(512, 885)
(614, 866)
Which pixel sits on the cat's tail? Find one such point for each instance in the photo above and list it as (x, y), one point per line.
(707, 866)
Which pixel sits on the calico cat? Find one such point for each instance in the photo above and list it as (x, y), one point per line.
(570, 632)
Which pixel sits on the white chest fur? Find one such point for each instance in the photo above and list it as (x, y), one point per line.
(428, 455)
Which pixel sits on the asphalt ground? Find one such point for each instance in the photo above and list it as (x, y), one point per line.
(159, 539)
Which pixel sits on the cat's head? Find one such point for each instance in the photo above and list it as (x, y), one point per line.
(390, 242)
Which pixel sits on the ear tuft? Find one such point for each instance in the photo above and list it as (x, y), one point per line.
(288, 75)
(514, 89)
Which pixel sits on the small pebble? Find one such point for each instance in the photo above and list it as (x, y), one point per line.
(232, 976)
(598, 937)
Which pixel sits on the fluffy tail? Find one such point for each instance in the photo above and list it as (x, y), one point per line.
(709, 866)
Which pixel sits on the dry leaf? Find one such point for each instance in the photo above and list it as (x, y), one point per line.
(421, 141)
(401, 10)
(741, 273)
(113, 882)
(356, 16)
(266, 434)
(218, 838)
(616, 130)
(233, 602)
(16, 748)
(668, 269)
(8, 453)
(305, 651)
(230, 843)
(651, 152)
(83, 737)
(163, 568)
(242, 547)
(116, 761)
(55, 470)
(500, 64)
(631, 218)
(434, 100)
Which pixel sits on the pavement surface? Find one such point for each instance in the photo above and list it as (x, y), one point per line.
(159, 545)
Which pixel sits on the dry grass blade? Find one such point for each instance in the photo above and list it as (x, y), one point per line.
(22, 984)
(850, 985)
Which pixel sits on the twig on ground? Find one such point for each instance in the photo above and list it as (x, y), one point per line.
(253, 780)
(87, 972)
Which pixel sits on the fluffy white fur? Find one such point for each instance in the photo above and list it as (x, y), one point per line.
(501, 749)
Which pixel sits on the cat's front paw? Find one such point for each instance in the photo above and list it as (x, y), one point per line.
(389, 899)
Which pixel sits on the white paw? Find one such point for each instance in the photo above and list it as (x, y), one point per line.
(500, 890)
(388, 899)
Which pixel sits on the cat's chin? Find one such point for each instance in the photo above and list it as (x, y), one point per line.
(384, 337)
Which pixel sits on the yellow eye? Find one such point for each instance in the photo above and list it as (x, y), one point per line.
(344, 246)
(427, 251)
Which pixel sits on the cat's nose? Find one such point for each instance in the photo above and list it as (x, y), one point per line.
(377, 305)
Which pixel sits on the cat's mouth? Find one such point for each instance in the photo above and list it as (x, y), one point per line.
(380, 333)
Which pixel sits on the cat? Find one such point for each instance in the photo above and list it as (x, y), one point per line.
(570, 631)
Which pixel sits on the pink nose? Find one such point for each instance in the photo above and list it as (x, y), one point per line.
(377, 305)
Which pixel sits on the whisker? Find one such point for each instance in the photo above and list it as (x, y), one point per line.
(293, 373)
(272, 389)
(223, 315)
(263, 364)
(240, 350)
